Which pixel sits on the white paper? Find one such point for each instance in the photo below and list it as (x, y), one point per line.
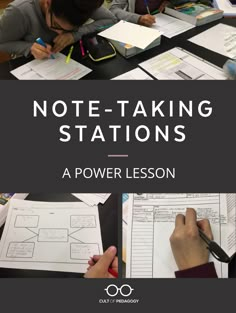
(136, 74)
(51, 69)
(50, 236)
(151, 223)
(170, 26)
(220, 39)
(132, 34)
(4, 208)
(92, 198)
(177, 64)
(226, 6)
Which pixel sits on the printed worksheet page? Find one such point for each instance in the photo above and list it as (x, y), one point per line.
(170, 26)
(178, 64)
(50, 236)
(151, 221)
(51, 69)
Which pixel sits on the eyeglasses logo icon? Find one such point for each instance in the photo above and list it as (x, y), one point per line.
(125, 290)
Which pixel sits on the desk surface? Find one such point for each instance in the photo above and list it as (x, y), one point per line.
(110, 68)
(108, 214)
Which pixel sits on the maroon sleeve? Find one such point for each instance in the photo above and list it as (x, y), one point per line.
(202, 271)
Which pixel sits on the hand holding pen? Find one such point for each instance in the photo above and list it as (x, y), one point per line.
(103, 266)
(147, 19)
(41, 50)
(187, 243)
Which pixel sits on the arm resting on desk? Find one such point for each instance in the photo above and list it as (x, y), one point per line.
(12, 28)
(101, 17)
(119, 9)
(202, 271)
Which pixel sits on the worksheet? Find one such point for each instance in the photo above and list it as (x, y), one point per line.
(136, 74)
(51, 69)
(133, 34)
(92, 198)
(220, 39)
(50, 236)
(170, 26)
(179, 64)
(151, 222)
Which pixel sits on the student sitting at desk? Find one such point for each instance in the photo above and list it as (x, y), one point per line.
(58, 23)
(137, 11)
(189, 250)
(140, 11)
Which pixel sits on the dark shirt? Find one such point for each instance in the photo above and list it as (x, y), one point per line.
(202, 271)
(140, 6)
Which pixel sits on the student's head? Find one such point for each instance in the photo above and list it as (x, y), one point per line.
(68, 15)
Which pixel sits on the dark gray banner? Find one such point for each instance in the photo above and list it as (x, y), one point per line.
(88, 295)
(166, 136)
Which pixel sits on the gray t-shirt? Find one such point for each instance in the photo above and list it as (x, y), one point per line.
(23, 22)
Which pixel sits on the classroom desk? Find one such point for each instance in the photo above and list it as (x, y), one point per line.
(108, 214)
(110, 68)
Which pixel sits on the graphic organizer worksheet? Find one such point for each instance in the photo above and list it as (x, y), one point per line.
(151, 221)
(50, 236)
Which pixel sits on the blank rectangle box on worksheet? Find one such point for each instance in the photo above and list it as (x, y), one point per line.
(27, 221)
(81, 251)
(53, 235)
(20, 250)
(78, 221)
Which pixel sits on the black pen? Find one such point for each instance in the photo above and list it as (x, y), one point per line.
(214, 248)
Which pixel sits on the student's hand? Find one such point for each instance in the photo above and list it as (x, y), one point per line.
(188, 248)
(62, 41)
(40, 52)
(100, 264)
(163, 5)
(146, 20)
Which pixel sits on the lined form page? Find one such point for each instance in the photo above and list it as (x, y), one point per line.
(142, 242)
(151, 222)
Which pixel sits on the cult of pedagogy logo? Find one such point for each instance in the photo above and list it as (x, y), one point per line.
(119, 294)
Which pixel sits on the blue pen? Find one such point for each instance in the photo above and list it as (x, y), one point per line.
(146, 4)
(43, 44)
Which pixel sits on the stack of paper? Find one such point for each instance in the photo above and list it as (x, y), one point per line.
(51, 69)
(92, 198)
(132, 34)
(50, 236)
